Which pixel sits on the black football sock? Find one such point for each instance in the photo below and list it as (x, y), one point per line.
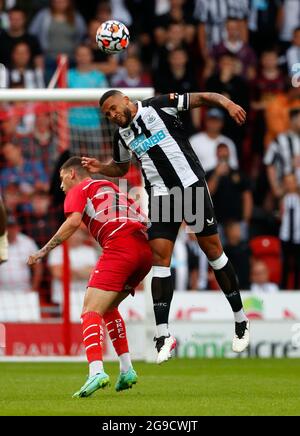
(228, 282)
(162, 294)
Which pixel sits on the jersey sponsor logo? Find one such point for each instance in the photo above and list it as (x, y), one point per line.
(141, 144)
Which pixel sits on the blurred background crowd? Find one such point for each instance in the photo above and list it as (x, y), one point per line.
(247, 50)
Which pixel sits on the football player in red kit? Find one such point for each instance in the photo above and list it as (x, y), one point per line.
(120, 228)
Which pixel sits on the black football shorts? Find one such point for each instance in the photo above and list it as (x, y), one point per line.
(192, 205)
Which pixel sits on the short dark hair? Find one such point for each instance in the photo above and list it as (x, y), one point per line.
(108, 94)
(296, 30)
(74, 162)
(294, 112)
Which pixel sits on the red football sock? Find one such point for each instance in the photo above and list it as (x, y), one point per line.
(92, 335)
(117, 331)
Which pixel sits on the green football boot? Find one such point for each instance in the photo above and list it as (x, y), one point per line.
(126, 380)
(93, 383)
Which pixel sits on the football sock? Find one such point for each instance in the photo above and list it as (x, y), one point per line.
(228, 282)
(93, 339)
(162, 294)
(117, 332)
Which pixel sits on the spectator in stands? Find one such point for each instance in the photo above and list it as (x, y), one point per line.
(180, 76)
(238, 252)
(231, 193)
(114, 9)
(277, 112)
(289, 19)
(177, 14)
(28, 175)
(293, 53)
(85, 121)
(17, 33)
(205, 143)
(269, 82)
(211, 16)
(260, 282)
(13, 198)
(82, 260)
(233, 86)
(290, 232)
(105, 63)
(132, 75)
(15, 274)
(21, 70)
(264, 24)
(233, 43)
(60, 28)
(283, 155)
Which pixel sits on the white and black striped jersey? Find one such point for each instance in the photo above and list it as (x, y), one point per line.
(284, 154)
(213, 13)
(290, 225)
(158, 139)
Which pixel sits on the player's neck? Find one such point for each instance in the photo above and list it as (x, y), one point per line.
(133, 109)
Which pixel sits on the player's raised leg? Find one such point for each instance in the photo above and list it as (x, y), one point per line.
(228, 282)
(3, 235)
(117, 331)
(162, 295)
(96, 303)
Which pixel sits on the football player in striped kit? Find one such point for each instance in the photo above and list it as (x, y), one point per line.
(153, 131)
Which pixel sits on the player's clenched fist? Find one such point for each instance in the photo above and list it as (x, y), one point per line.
(91, 164)
(34, 258)
(237, 113)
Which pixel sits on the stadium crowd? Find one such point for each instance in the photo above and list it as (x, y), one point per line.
(248, 50)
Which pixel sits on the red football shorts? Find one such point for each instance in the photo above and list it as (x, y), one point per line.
(124, 263)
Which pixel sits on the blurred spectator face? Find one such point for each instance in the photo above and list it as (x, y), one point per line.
(227, 64)
(60, 5)
(17, 21)
(83, 56)
(12, 196)
(133, 67)
(12, 232)
(223, 153)
(214, 125)
(296, 38)
(178, 59)
(40, 203)
(233, 28)
(175, 34)
(269, 60)
(259, 273)
(290, 183)
(176, 3)
(21, 55)
(12, 153)
(233, 233)
(42, 122)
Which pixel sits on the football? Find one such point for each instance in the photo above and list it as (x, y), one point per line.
(112, 36)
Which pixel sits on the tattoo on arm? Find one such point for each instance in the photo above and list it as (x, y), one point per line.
(208, 99)
(54, 242)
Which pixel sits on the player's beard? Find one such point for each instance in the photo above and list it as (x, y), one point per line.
(127, 116)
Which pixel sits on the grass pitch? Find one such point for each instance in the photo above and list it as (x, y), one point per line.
(179, 387)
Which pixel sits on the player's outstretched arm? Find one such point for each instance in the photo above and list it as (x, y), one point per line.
(218, 100)
(110, 169)
(64, 232)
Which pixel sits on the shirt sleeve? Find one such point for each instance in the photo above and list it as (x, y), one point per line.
(121, 153)
(75, 200)
(180, 102)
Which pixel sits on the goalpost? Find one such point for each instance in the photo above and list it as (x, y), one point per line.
(70, 118)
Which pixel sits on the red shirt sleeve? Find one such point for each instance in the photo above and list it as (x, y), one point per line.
(75, 200)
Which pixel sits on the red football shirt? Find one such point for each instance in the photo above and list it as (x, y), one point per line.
(106, 211)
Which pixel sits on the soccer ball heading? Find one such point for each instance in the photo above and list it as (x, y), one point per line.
(112, 36)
